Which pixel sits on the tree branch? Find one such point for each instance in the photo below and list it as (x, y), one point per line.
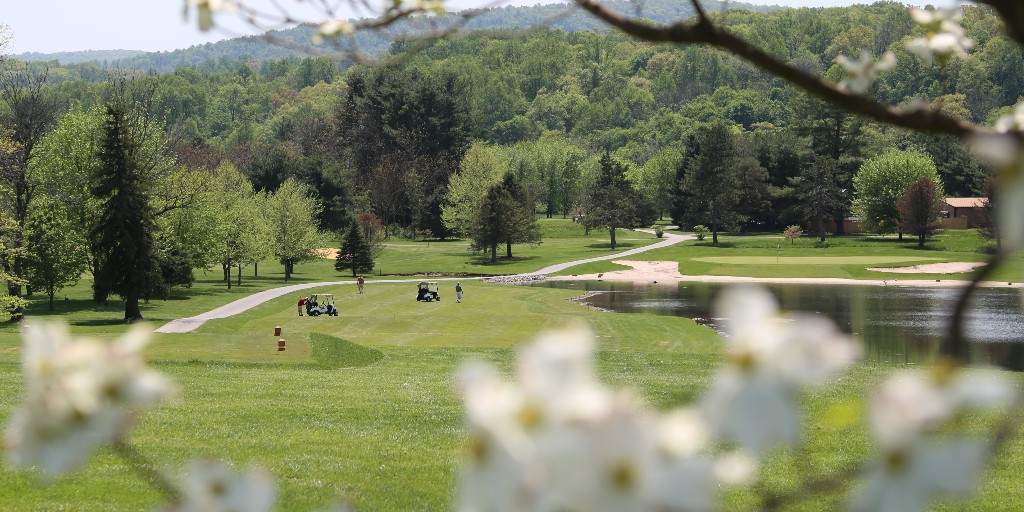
(704, 31)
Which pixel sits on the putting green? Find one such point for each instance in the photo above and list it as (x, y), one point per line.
(811, 260)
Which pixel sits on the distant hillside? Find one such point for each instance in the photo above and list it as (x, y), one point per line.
(98, 56)
(557, 15)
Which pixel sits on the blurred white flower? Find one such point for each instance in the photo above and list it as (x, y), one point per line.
(909, 476)
(79, 393)
(752, 400)
(945, 36)
(206, 10)
(906, 408)
(210, 486)
(909, 404)
(556, 439)
(332, 28)
(861, 74)
(1005, 152)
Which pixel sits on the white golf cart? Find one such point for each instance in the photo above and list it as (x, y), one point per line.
(321, 304)
(427, 291)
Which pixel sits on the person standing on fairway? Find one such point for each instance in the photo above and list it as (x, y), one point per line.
(458, 292)
(360, 282)
(302, 302)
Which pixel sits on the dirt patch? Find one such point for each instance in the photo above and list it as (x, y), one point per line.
(952, 267)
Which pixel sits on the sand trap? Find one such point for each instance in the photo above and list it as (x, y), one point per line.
(326, 253)
(667, 272)
(952, 267)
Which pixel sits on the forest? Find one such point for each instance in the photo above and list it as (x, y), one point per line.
(410, 146)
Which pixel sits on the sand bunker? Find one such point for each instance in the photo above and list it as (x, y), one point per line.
(667, 272)
(952, 267)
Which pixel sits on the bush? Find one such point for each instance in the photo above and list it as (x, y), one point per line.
(792, 233)
(658, 231)
(701, 230)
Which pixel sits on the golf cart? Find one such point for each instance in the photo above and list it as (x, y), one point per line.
(321, 304)
(427, 291)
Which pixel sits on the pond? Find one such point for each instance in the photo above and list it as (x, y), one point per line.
(897, 324)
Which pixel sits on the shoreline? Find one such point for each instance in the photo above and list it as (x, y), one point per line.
(666, 272)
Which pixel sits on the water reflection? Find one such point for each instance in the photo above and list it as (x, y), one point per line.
(897, 324)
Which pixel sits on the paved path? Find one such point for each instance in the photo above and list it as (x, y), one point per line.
(248, 302)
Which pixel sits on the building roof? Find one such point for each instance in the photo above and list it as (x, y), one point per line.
(967, 202)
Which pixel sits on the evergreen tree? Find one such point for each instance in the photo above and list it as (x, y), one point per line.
(614, 203)
(355, 253)
(711, 183)
(492, 220)
(817, 191)
(128, 264)
(520, 219)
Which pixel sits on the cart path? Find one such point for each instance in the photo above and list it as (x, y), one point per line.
(248, 302)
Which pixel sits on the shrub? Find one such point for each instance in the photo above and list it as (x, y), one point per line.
(701, 230)
(658, 231)
(792, 233)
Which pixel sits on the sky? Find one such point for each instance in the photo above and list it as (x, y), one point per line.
(48, 26)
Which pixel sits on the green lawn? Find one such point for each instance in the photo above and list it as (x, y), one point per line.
(360, 407)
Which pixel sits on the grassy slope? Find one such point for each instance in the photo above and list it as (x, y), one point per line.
(384, 436)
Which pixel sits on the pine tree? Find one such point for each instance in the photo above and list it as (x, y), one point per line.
(614, 203)
(355, 252)
(124, 234)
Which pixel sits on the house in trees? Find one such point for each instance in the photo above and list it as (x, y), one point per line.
(964, 212)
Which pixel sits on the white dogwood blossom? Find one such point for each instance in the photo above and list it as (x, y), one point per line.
(80, 393)
(945, 37)
(1004, 150)
(206, 9)
(210, 486)
(752, 400)
(913, 469)
(556, 439)
(861, 73)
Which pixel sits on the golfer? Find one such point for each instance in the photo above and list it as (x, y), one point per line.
(360, 282)
(302, 302)
(458, 292)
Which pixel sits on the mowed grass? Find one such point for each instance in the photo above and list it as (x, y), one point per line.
(383, 435)
(379, 426)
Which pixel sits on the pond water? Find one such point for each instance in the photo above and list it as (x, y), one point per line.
(897, 324)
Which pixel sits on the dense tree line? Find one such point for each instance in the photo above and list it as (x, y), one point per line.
(695, 134)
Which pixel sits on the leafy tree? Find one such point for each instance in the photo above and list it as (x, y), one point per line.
(920, 209)
(355, 253)
(614, 203)
(882, 180)
(482, 166)
(124, 235)
(27, 114)
(59, 251)
(292, 213)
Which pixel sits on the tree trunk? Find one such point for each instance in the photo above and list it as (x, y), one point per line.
(132, 313)
(239, 274)
(255, 269)
(287, 269)
(226, 269)
(900, 234)
(51, 299)
(821, 227)
(920, 241)
(508, 250)
(840, 226)
(611, 231)
(494, 252)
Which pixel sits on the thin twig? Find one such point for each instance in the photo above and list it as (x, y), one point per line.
(147, 470)
(956, 345)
